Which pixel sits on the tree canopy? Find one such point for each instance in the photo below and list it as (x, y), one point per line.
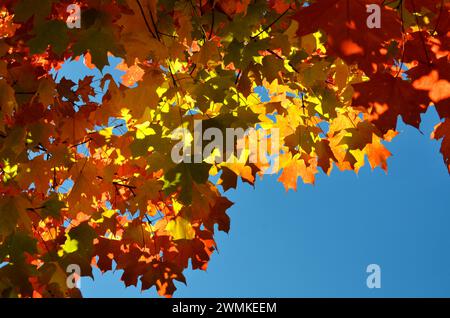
(336, 83)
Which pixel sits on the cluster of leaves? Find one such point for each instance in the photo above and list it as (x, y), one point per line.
(335, 90)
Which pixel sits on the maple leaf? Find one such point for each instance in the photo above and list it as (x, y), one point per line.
(46, 91)
(162, 276)
(182, 178)
(415, 6)
(65, 89)
(27, 9)
(74, 163)
(180, 229)
(435, 79)
(85, 89)
(98, 42)
(11, 210)
(377, 154)
(442, 131)
(280, 6)
(51, 33)
(343, 22)
(386, 97)
(422, 48)
(325, 156)
(296, 167)
(197, 250)
(52, 207)
(7, 99)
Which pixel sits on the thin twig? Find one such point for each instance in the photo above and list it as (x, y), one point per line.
(154, 24)
(81, 143)
(145, 19)
(439, 18)
(212, 24)
(281, 58)
(267, 27)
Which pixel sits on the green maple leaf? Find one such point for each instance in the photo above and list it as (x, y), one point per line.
(53, 206)
(98, 41)
(25, 9)
(182, 176)
(52, 33)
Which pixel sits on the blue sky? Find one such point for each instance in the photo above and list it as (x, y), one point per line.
(318, 241)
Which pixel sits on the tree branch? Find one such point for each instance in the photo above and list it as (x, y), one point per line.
(145, 19)
(267, 27)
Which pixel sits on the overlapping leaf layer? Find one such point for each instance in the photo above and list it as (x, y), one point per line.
(335, 90)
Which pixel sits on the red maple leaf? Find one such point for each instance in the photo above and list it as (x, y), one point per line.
(386, 97)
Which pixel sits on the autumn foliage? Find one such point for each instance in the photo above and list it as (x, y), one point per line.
(336, 90)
